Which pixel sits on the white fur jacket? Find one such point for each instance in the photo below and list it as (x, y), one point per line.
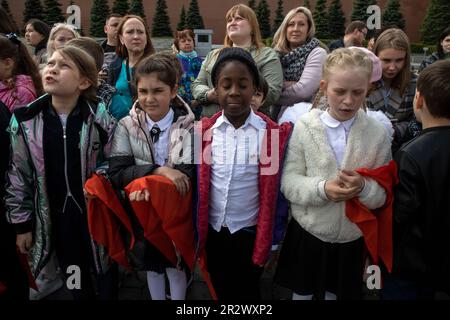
(310, 161)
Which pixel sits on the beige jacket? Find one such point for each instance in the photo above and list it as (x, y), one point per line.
(310, 161)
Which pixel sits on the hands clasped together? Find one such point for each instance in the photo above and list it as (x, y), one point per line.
(347, 185)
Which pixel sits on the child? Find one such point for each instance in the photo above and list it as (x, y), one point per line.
(56, 144)
(105, 91)
(260, 94)
(20, 81)
(422, 205)
(191, 64)
(393, 94)
(59, 35)
(322, 254)
(238, 180)
(154, 140)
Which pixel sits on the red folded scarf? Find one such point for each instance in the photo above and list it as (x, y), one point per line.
(105, 214)
(376, 225)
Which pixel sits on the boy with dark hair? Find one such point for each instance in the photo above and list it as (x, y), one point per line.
(422, 198)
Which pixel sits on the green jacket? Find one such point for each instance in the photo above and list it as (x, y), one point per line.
(269, 66)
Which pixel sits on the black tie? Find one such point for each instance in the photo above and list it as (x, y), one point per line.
(154, 133)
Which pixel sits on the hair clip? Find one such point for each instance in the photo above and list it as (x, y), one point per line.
(13, 38)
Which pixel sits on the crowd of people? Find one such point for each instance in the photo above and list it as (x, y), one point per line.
(322, 160)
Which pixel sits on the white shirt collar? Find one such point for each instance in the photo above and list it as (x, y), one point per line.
(333, 123)
(253, 120)
(164, 123)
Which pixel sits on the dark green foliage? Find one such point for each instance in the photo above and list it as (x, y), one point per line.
(436, 20)
(99, 14)
(182, 22)
(252, 4)
(263, 14)
(321, 19)
(137, 9)
(336, 20)
(307, 4)
(360, 10)
(33, 10)
(161, 22)
(52, 12)
(193, 19)
(392, 16)
(279, 16)
(121, 7)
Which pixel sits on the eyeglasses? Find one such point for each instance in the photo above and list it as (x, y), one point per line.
(364, 33)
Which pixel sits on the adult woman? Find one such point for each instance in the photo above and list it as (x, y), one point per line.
(394, 93)
(36, 35)
(443, 50)
(301, 57)
(134, 45)
(242, 31)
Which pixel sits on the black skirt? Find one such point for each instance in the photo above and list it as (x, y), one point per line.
(308, 265)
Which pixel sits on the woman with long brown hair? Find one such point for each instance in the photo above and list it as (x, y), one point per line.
(242, 31)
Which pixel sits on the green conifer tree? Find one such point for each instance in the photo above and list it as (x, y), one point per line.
(161, 22)
(137, 8)
(436, 20)
(182, 22)
(263, 14)
(321, 19)
(99, 14)
(52, 12)
(121, 7)
(392, 16)
(193, 19)
(336, 20)
(279, 16)
(33, 10)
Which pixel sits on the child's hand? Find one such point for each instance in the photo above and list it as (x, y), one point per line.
(140, 195)
(24, 241)
(180, 180)
(351, 179)
(336, 191)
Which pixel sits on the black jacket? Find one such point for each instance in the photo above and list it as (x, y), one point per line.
(422, 210)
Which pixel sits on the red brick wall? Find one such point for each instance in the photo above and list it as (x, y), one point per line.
(213, 12)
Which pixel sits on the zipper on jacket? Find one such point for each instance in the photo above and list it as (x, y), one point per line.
(66, 176)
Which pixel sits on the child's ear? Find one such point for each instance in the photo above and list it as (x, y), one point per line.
(9, 63)
(174, 91)
(323, 86)
(418, 100)
(84, 84)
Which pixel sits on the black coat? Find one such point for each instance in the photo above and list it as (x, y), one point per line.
(422, 210)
